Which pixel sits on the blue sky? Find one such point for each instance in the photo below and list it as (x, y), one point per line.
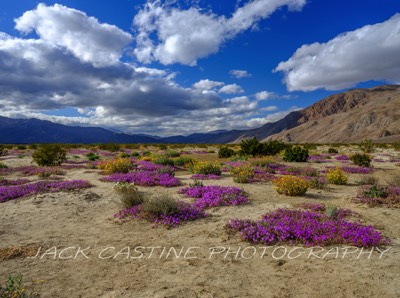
(179, 67)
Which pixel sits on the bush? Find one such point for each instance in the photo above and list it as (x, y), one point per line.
(225, 152)
(123, 155)
(272, 147)
(362, 160)
(366, 146)
(128, 193)
(242, 174)
(135, 154)
(165, 161)
(333, 150)
(336, 176)
(254, 148)
(185, 161)
(92, 156)
(162, 204)
(49, 155)
(291, 185)
(3, 150)
(296, 154)
(119, 165)
(375, 191)
(21, 147)
(172, 153)
(206, 168)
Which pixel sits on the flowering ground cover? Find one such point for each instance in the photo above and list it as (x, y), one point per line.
(378, 196)
(307, 227)
(16, 191)
(205, 177)
(213, 196)
(144, 178)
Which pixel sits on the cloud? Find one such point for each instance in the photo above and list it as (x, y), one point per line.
(368, 53)
(207, 85)
(264, 95)
(239, 74)
(85, 37)
(231, 89)
(172, 35)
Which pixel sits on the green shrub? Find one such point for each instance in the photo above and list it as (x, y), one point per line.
(92, 156)
(272, 147)
(162, 146)
(161, 204)
(366, 146)
(362, 160)
(3, 150)
(375, 191)
(33, 146)
(21, 147)
(333, 150)
(3, 166)
(49, 155)
(185, 161)
(296, 154)
(165, 161)
(396, 146)
(250, 147)
(172, 153)
(123, 155)
(128, 194)
(167, 170)
(225, 152)
(135, 154)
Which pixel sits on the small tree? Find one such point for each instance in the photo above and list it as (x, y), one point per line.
(49, 155)
(296, 153)
(250, 147)
(225, 152)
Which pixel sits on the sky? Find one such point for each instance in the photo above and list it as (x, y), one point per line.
(187, 66)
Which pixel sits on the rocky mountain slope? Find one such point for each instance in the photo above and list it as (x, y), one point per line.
(351, 116)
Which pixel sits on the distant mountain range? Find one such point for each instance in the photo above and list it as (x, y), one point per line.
(351, 116)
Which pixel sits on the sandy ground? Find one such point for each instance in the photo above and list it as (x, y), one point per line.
(103, 257)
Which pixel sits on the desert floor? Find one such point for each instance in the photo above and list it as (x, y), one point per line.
(103, 257)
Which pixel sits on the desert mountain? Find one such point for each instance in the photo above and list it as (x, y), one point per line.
(351, 116)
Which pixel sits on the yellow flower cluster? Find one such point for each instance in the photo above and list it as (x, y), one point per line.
(336, 176)
(242, 174)
(119, 165)
(291, 185)
(206, 167)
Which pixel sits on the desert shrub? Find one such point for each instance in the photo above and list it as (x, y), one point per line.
(250, 147)
(366, 146)
(185, 161)
(242, 174)
(135, 154)
(162, 146)
(33, 146)
(172, 153)
(196, 183)
(167, 170)
(21, 147)
(272, 147)
(163, 160)
(291, 185)
(112, 147)
(3, 150)
(49, 155)
(92, 156)
(318, 183)
(128, 194)
(336, 176)
(333, 150)
(14, 288)
(161, 204)
(3, 166)
(123, 155)
(225, 152)
(309, 146)
(119, 165)
(146, 153)
(375, 191)
(206, 168)
(362, 160)
(296, 154)
(396, 146)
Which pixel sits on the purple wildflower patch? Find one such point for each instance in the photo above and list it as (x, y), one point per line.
(16, 191)
(144, 178)
(213, 196)
(306, 227)
(205, 177)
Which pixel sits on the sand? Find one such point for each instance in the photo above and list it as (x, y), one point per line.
(86, 253)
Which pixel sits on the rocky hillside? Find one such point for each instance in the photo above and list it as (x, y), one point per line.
(351, 116)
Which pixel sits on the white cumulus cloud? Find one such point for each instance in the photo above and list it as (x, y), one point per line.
(239, 74)
(368, 53)
(186, 35)
(231, 89)
(89, 40)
